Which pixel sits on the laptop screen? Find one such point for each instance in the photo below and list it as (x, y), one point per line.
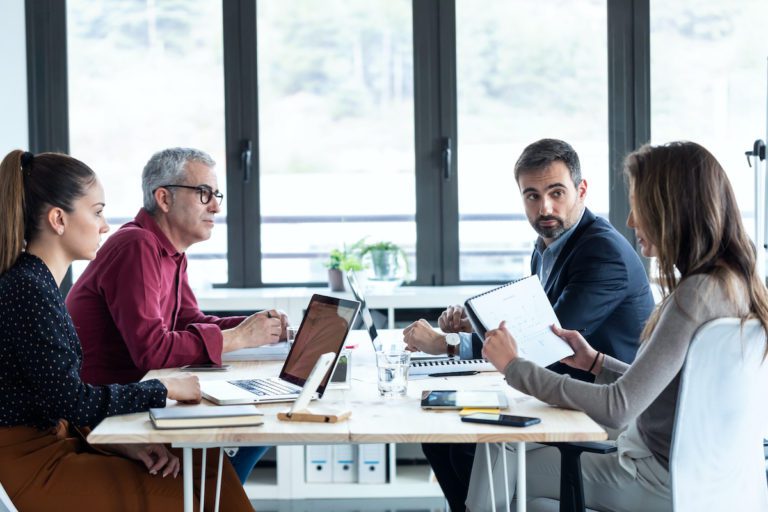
(364, 312)
(324, 328)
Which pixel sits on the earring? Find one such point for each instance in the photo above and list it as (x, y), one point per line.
(60, 232)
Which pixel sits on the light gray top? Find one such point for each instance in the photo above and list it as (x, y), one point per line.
(645, 391)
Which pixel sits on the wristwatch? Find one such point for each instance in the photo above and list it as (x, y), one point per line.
(452, 341)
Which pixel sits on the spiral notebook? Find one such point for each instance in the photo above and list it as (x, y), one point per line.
(529, 315)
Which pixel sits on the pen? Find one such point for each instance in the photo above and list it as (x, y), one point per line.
(453, 374)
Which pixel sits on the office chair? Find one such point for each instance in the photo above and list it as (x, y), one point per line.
(5, 501)
(717, 459)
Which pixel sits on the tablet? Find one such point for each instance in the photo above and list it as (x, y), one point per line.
(452, 399)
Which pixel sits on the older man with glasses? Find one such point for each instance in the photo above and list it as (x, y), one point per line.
(133, 307)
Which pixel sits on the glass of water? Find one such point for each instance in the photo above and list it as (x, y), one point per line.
(393, 373)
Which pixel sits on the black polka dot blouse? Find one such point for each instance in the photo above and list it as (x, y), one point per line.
(40, 359)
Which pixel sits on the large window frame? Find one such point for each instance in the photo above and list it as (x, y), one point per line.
(435, 118)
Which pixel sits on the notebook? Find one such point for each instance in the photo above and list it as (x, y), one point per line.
(421, 363)
(273, 352)
(200, 416)
(529, 315)
(439, 366)
(324, 328)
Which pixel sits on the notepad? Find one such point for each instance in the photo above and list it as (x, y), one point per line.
(200, 416)
(529, 315)
(448, 365)
(273, 352)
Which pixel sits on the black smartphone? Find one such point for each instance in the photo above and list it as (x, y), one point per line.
(205, 367)
(501, 419)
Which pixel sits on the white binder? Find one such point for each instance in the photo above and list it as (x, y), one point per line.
(318, 463)
(344, 463)
(372, 464)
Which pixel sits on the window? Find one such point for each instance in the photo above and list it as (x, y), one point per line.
(336, 137)
(144, 76)
(708, 69)
(347, 104)
(516, 84)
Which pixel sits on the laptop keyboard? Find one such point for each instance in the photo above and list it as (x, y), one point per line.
(266, 387)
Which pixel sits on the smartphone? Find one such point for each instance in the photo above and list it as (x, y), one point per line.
(501, 419)
(205, 367)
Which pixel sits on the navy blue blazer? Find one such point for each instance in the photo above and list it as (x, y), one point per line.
(598, 286)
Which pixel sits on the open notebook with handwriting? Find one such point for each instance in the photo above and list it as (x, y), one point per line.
(529, 315)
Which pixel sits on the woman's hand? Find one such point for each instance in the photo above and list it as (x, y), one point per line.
(184, 388)
(500, 347)
(156, 457)
(583, 354)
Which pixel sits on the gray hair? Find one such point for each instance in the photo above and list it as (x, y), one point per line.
(168, 167)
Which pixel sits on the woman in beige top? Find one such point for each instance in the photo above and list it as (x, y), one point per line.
(684, 214)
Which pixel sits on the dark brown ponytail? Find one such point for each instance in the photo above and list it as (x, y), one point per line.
(28, 185)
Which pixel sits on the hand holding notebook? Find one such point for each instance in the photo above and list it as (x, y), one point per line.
(528, 314)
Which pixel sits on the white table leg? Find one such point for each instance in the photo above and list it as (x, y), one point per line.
(189, 501)
(506, 475)
(202, 482)
(521, 488)
(218, 481)
(490, 473)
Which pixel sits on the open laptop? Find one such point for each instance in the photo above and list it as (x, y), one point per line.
(365, 313)
(323, 329)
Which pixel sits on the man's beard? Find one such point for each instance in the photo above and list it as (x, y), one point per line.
(553, 232)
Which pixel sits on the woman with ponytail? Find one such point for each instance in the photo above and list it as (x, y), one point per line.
(51, 213)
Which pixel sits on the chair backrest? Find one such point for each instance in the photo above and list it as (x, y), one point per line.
(5, 501)
(716, 460)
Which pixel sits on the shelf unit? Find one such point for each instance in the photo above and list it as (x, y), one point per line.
(287, 480)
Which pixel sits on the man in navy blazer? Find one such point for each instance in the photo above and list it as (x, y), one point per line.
(592, 276)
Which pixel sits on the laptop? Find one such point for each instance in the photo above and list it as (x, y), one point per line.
(365, 313)
(323, 329)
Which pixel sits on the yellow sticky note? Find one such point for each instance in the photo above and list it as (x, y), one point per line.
(471, 410)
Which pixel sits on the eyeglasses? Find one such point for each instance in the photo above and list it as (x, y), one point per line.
(206, 193)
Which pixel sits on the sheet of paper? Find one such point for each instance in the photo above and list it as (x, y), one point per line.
(529, 315)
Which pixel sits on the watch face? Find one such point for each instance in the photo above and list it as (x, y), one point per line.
(452, 339)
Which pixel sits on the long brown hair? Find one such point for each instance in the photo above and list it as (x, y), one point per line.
(28, 185)
(685, 203)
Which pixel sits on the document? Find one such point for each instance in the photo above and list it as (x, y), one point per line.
(344, 463)
(372, 463)
(318, 463)
(274, 352)
(529, 315)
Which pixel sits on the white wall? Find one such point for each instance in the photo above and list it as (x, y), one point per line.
(14, 126)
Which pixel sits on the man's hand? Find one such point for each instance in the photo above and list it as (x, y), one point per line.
(258, 329)
(184, 388)
(454, 319)
(500, 347)
(156, 457)
(276, 313)
(421, 336)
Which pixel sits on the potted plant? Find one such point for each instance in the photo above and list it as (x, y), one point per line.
(339, 262)
(387, 260)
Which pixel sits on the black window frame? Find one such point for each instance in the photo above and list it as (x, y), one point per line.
(435, 123)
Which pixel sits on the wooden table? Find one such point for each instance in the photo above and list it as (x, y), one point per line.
(373, 420)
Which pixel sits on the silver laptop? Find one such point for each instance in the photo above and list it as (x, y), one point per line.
(324, 328)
